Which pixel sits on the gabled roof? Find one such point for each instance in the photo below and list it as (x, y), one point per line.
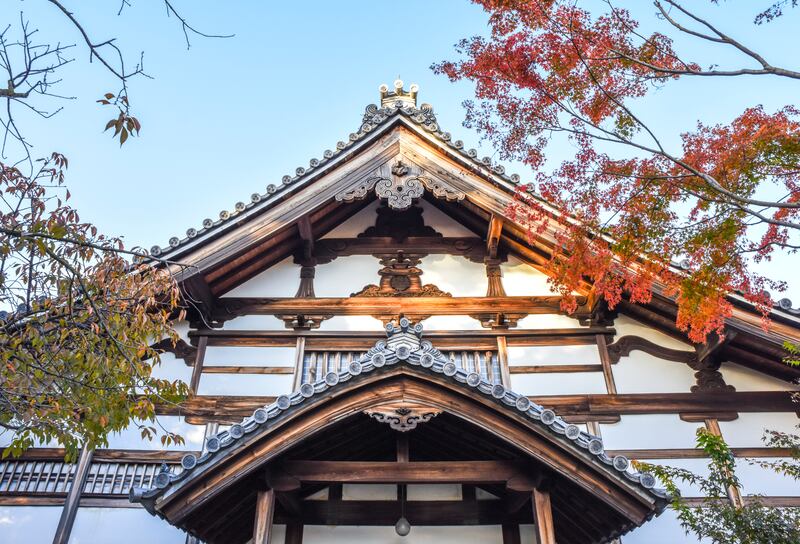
(404, 351)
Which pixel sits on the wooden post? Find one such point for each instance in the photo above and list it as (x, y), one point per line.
(502, 360)
(734, 493)
(294, 533)
(299, 355)
(605, 360)
(543, 517)
(511, 534)
(265, 510)
(197, 371)
(73, 499)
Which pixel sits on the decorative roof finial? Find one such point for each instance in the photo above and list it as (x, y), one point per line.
(407, 98)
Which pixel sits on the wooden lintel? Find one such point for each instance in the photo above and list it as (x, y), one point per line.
(379, 472)
(543, 517)
(331, 248)
(228, 308)
(265, 512)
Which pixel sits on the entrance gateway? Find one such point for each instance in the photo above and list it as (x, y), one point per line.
(404, 414)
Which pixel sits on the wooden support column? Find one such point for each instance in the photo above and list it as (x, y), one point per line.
(605, 360)
(294, 533)
(734, 493)
(265, 511)
(511, 534)
(299, 355)
(543, 517)
(197, 371)
(73, 499)
(502, 360)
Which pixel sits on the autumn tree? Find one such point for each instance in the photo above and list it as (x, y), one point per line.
(79, 313)
(727, 197)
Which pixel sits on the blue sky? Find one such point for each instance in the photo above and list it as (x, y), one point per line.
(230, 116)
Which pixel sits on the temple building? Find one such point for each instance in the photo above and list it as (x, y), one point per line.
(375, 355)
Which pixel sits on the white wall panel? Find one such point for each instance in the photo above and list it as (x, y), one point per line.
(747, 430)
(249, 356)
(455, 275)
(369, 492)
(279, 280)
(548, 321)
(245, 384)
(433, 492)
(172, 369)
(443, 223)
(747, 379)
(256, 323)
(521, 279)
(122, 526)
(577, 383)
(649, 431)
(356, 224)
(345, 276)
(352, 323)
(560, 355)
(485, 534)
(641, 372)
(452, 323)
(628, 326)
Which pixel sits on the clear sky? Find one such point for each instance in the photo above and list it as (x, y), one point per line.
(230, 116)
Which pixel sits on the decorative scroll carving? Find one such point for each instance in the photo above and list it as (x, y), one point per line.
(498, 320)
(400, 187)
(494, 275)
(306, 288)
(625, 345)
(303, 322)
(403, 419)
(708, 376)
(399, 225)
(400, 277)
(181, 350)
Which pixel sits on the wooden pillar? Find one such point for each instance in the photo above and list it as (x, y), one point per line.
(502, 360)
(299, 354)
(197, 371)
(511, 534)
(734, 493)
(294, 533)
(605, 360)
(265, 510)
(73, 499)
(543, 517)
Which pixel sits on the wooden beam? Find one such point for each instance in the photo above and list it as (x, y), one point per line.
(197, 371)
(546, 369)
(543, 517)
(511, 533)
(229, 408)
(605, 361)
(294, 533)
(265, 511)
(229, 308)
(380, 472)
(494, 230)
(248, 370)
(330, 248)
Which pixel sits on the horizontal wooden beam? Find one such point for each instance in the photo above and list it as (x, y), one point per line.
(546, 369)
(231, 408)
(695, 453)
(378, 472)
(330, 248)
(228, 308)
(248, 370)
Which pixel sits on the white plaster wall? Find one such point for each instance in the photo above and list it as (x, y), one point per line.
(628, 326)
(560, 355)
(369, 492)
(245, 384)
(28, 524)
(577, 383)
(122, 526)
(172, 369)
(748, 429)
(649, 431)
(279, 280)
(757, 480)
(451, 323)
(249, 356)
(131, 438)
(442, 222)
(455, 275)
(746, 379)
(548, 321)
(434, 492)
(521, 279)
(352, 323)
(345, 276)
(641, 372)
(257, 323)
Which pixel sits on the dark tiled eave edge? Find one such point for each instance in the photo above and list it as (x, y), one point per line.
(402, 347)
